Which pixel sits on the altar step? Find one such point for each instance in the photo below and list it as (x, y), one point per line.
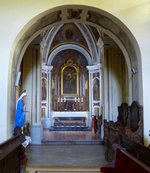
(77, 142)
(71, 137)
(70, 128)
(66, 141)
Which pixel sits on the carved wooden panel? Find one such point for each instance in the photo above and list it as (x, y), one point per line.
(123, 112)
(129, 123)
(135, 114)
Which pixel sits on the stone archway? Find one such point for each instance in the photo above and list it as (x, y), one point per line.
(91, 16)
(106, 22)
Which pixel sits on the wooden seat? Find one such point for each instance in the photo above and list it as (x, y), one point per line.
(124, 163)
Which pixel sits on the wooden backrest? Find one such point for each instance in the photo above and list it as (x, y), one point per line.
(135, 116)
(123, 112)
(126, 163)
(11, 154)
(138, 150)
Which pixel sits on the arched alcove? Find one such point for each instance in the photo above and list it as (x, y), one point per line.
(106, 23)
(109, 24)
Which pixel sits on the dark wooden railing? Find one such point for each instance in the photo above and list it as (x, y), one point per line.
(140, 151)
(12, 153)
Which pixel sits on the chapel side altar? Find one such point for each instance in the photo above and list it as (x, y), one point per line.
(69, 114)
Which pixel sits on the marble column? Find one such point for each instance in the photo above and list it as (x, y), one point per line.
(92, 69)
(47, 120)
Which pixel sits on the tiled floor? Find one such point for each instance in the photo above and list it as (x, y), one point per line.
(65, 157)
(70, 136)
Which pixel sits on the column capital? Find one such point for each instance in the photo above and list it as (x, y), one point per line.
(94, 68)
(46, 68)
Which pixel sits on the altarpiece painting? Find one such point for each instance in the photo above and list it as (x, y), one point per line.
(69, 79)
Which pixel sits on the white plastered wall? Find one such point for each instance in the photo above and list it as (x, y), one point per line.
(14, 16)
(31, 82)
(115, 79)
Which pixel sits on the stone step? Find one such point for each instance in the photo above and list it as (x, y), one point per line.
(75, 142)
(61, 170)
(70, 128)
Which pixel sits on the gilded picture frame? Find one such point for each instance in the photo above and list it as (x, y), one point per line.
(69, 79)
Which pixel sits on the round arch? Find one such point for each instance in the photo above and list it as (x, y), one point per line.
(69, 46)
(106, 22)
(103, 20)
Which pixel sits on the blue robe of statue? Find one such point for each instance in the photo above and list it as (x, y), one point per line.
(20, 114)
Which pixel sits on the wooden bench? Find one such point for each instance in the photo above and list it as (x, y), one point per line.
(12, 155)
(124, 162)
(139, 151)
(129, 123)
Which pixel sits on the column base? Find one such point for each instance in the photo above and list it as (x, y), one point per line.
(46, 122)
(36, 132)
